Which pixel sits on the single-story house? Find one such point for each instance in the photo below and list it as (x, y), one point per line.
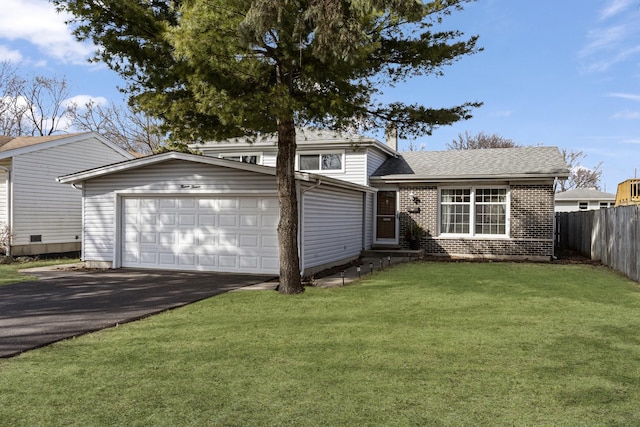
(583, 199)
(42, 215)
(219, 211)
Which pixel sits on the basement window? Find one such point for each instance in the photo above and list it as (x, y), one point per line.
(35, 238)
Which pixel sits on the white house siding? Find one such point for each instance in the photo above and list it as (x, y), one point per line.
(354, 166)
(375, 159)
(41, 205)
(574, 205)
(172, 177)
(368, 220)
(332, 227)
(4, 191)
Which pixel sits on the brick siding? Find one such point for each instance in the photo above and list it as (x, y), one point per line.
(531, 225)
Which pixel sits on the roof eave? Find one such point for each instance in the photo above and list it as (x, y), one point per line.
(410, 179)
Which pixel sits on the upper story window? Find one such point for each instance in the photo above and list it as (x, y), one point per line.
(321, 162)
(253, 159)
(474, 211)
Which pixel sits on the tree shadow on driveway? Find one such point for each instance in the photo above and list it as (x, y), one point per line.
(38, 313)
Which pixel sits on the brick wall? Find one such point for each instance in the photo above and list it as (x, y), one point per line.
(531, 227)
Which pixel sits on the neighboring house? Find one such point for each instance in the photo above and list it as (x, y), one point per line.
(219, 211)
(44, 216)
(583, 199)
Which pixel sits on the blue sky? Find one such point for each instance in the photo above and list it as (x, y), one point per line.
(558, 73)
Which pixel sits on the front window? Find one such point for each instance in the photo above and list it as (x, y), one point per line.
(583, 206)
(320, 162)
(473, 211)
(251, 158)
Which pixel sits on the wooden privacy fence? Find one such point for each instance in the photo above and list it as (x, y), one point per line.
(611, 236)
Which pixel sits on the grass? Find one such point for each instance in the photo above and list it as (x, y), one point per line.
(420, 344)
(9, 272)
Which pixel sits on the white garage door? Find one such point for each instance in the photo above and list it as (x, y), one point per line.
(229, 234)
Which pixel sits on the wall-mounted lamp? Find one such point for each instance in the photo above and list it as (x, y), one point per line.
(414, 198)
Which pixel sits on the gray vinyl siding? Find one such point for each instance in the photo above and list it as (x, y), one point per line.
(332, 222)
(41, 205)
(168, 177)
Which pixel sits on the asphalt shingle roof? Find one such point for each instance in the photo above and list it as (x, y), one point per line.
(483, 163)
(11, 143)
(585, 194)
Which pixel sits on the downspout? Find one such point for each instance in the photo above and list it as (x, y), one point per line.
(301, 221)
(9, 212)
(555, 231)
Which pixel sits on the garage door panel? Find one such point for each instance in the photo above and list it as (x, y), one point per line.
(228, 221)
(201, 233)
(249, 241)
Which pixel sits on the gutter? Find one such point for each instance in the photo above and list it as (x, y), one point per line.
(9, 212)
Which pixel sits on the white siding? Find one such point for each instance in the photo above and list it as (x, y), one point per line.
(167, 177)
(332, 225)
(42, 206)
(4, 191)
(269, 159)
(368, 221)
(375, 159)
(354, 167)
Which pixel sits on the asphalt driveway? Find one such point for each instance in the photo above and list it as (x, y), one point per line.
(34, 314)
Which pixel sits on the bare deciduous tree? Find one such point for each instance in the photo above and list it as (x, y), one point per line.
(31, 106)
(44, 98)
(132, 130)
(579, 176)
(467, 141)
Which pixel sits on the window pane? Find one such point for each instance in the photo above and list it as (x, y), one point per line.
(331, 161)
(310, 162)
(250, 159)
(491, 218)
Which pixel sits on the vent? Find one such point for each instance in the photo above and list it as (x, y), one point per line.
(35, 238)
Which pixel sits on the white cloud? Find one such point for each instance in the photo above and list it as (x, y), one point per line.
(82, 100)
(9, 55)
(503, 113)
(37, 22)
(629, 96)
(627, 115)
(615, 7)
(604, 39)
(631, 141)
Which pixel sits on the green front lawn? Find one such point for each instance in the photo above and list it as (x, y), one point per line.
(9, 272)
(420, 344)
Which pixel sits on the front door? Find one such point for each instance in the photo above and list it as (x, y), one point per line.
(386, 217)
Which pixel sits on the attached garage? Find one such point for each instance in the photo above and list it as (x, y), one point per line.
(178, 211)
(227, 234)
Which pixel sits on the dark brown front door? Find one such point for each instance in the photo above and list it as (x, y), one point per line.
(386, 216)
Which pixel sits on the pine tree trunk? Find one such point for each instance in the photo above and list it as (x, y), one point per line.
(290, 281)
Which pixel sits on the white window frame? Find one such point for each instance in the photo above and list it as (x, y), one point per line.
(235, 154)
(319, 154)
(472, 212)
(583, 206)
